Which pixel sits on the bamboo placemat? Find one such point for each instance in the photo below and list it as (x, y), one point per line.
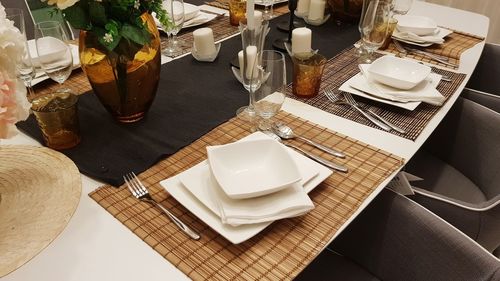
(342, 67)
(284, 248)
(278, 9)
(220, 27)
(77, 82)
(453, 47)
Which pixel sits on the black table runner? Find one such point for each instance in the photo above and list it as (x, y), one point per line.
(192, 98)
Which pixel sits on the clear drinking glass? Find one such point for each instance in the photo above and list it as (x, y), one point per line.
(267, 14)
(252, 42)
(175, 10)
(54, 52)
(374, 27)
(24, 67)
(401, 7)
(269, 97)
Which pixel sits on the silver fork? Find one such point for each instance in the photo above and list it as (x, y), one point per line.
(351, 99)
(329, 94)
(438, 58)
(140, 192)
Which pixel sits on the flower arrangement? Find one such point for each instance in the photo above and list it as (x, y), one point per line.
(117, 23)
(14, 105)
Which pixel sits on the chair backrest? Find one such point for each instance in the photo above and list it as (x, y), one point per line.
(28, 17)
(397, 239)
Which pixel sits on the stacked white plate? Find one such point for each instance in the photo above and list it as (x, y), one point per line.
(193, 16)
(244, 186)
(400, 82)
(419, 30)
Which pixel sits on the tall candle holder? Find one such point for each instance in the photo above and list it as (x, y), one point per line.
(280, 42)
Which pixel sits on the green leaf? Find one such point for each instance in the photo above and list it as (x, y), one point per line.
(135, 34)
(110, 46)
(97, 13)
(77, 16)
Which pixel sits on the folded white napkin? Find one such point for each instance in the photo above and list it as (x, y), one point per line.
(436, 38)
(424, 92)
(289, 202)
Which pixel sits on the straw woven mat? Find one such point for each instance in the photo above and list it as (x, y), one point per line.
(39, 191)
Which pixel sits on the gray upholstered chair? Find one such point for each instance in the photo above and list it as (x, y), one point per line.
(487, 71)
(30, 21)
(28, 18)
(395, 238)
(460, 164)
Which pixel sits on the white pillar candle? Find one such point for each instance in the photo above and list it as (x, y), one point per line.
(251, 57)
(303, 7)
(301, 40)
(257, 15)
(240, 61)
(316, 10)
(250, 14)
(204, 41)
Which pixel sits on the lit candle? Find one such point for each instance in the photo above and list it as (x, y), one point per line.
(251, 57)
(257, 15)
(204, 41)
(316, 10)
(250, 13)
(303, 7)
(301, 40)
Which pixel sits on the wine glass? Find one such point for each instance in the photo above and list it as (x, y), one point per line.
(24, 67)
(252, 40)
(175, 10)
(374, 27)
(269, 97)
(401, 7)
(267, 14)
(54, 53)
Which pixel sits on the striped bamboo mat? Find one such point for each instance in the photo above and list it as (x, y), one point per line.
(283, 249)
(454, 45)
(342, 67)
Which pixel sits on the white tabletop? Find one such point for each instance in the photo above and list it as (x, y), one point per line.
(96, 246)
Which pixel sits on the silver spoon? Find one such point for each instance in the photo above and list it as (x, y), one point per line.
(316, 158)
(286, 132)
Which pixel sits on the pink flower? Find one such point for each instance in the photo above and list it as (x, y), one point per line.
(13, 105)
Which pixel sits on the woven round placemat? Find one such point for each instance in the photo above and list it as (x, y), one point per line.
(39, 191)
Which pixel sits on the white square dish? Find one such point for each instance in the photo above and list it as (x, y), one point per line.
(252, 168)
(418, 25)
(397, 72)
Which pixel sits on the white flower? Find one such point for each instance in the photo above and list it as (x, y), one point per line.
(14, 105)
(108, 38)
(61, 4)
(137, 4)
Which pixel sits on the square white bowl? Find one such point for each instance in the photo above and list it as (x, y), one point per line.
(397, 72)
(418, 25)
(252, 168)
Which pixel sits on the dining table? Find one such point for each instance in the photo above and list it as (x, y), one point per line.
(96, 246)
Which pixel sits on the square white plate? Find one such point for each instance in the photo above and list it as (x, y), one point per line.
(197, 204)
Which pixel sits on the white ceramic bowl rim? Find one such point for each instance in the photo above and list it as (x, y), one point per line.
(252, 168)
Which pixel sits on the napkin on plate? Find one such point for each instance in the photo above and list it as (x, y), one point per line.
(289, 202)
(424, 91)
(436, 38)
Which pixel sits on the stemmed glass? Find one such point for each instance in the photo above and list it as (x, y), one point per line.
(24, 67)
(54, 53)
(401, 7)
(269, 97)
(252, 42)
(175, 9)
(373, 27)
(267, 14)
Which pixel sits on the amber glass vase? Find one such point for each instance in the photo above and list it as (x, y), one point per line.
(126, 79)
